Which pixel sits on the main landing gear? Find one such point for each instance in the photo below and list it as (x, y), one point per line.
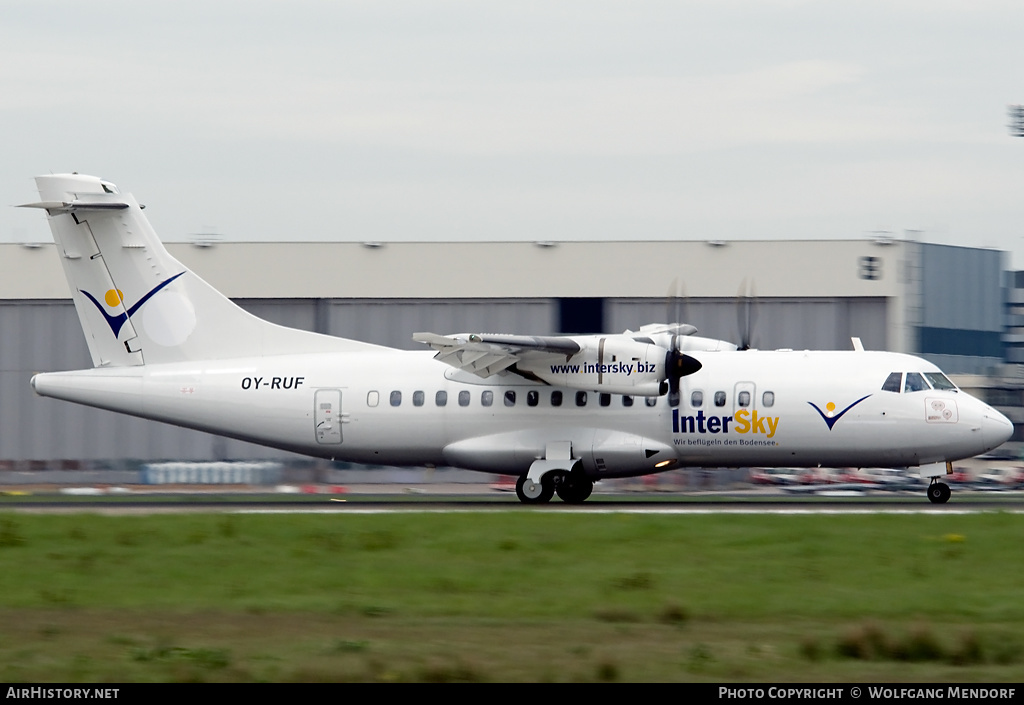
(938, 492)
(571, 487)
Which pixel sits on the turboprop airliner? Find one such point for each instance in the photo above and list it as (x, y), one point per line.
(558, 412)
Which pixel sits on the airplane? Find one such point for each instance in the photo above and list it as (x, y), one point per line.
(558, 412)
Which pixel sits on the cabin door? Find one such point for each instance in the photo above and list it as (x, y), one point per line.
(327, 416)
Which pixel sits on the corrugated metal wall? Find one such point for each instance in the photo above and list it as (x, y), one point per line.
(801, 324)
(962, 288)
(392, 322)
(46, 336)
(960, 324)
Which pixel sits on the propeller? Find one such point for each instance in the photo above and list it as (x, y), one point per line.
(676, 302)
(677, 363)
(746, 313)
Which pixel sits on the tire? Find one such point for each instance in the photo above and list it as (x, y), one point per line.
(939, 493)
(574, 488)
(534, 493)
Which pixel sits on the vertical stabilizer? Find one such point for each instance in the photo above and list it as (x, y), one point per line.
(137, 304)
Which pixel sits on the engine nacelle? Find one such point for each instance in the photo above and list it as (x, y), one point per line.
(611, 364)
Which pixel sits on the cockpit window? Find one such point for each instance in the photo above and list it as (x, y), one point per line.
(939, 381)
(892, 382)
(915, 383)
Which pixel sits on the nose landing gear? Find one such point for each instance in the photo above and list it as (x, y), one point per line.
(938, 492)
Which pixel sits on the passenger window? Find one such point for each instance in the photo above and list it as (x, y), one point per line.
(914, 383)
(510, 398)
(417, 398)
(673, 399)
(486, 398)
(372, 399)
(581, 398)
(532, 398)
(556, 398)
(441, 398)
(697, 399)
(651, 401)
(464, 398)
(744, 399)
(768, 399)
(396, 398)
(892, 382)
(627, 401)
(719, 398)
(605, 399)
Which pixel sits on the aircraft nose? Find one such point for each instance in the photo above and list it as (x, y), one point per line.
(996, 429)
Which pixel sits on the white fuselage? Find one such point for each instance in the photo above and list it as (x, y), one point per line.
(383, 406)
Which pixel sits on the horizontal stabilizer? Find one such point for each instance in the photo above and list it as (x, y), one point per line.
(57, 207)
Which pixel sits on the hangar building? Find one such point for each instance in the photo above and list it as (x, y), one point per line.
(943, 302)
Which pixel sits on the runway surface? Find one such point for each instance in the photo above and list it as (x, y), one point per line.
(433, 499)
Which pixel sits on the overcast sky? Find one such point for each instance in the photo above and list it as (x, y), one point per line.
(575, 120)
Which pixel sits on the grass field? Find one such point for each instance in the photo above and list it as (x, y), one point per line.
(511, 596)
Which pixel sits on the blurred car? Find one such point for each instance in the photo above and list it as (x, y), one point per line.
(960, 475)
(819, 476)
(1004, 478)
(775, 476)
(885, 478)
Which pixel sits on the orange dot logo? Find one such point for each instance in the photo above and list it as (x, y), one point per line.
(114, 297)
(831, 408)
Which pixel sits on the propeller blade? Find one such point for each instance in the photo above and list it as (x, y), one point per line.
(675, 302)
(746, 313)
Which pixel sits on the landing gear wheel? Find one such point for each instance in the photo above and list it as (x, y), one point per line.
(530, 492)
(938, 493)
(574, 488)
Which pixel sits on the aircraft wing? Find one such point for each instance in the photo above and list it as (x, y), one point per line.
(488, 354)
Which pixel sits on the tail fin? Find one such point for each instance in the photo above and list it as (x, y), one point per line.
(137, 304)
